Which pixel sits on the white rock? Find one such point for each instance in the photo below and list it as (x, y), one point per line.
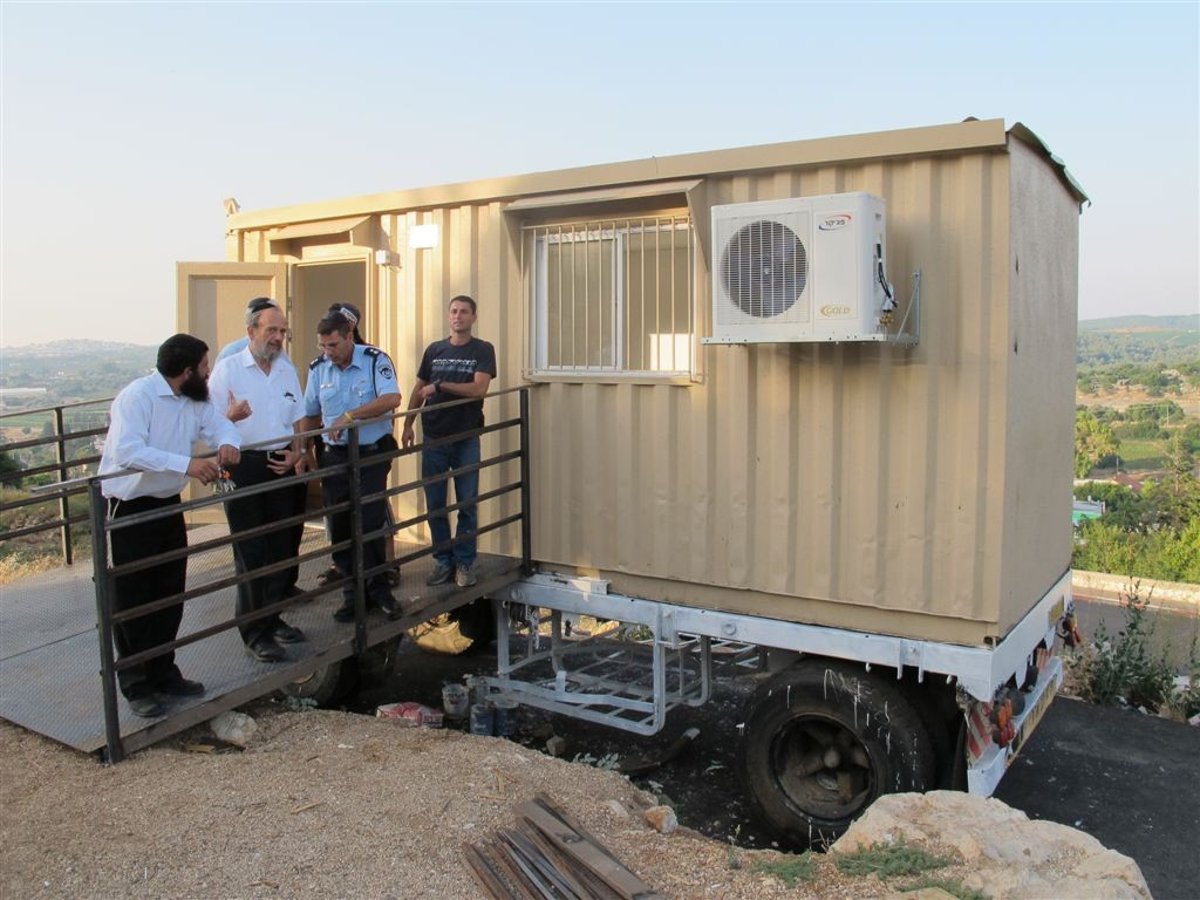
(1010, 856)
(234, 727)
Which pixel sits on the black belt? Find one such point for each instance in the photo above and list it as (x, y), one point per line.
(262, 452)
(342, 448)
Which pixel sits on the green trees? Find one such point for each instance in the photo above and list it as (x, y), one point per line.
(1094, 440)
(1152, 535)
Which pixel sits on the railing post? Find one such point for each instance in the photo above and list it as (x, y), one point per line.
(64, 503)
(526, 522)
(103, 581)
(353, 460)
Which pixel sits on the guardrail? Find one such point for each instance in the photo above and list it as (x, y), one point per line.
(110, 612)
(63, 466)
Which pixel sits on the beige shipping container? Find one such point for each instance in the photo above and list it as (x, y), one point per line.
(920, 491)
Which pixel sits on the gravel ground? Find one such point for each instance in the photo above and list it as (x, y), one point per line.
(329, 804)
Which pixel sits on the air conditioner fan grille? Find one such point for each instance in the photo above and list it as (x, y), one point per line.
(764, 268)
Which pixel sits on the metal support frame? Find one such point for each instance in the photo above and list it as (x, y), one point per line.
(615, 684)
(630, 685)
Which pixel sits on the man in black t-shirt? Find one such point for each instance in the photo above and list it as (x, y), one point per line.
(457, 367)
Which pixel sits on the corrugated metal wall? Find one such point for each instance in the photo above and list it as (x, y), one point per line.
(858, 485)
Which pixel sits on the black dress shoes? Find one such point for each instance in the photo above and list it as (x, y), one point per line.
(388, 604)
(180, 687)
(287, 634)
(146, 706)
(266, 650)
(345, 612)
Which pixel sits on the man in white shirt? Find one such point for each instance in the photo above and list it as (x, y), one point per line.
(262, 381)
(154, 422)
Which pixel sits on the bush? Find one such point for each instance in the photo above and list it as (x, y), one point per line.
(1125, 670)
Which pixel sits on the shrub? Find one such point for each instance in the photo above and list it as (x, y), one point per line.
(1125, 669)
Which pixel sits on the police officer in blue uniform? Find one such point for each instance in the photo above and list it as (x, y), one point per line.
(350, 383)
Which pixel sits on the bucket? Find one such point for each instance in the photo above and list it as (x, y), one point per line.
(506, 717)
(454, 700)
(483, 719)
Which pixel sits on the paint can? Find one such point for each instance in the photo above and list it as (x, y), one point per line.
(455, 701)
(483, 719)
(506, 717)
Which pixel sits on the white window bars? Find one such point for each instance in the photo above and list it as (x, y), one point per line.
(612, 296)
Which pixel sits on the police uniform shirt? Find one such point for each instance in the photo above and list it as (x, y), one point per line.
(152, 429)
(275, 398)
(332, 391)
(233, 347)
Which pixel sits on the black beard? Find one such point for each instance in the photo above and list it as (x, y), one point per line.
(194, 388)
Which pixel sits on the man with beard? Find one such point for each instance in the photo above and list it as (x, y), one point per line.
(262, 380)
(154, 423)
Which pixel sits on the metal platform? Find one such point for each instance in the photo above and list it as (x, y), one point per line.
(50, 657)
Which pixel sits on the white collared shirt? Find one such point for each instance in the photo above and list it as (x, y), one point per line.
(276, 401)
(152, 429)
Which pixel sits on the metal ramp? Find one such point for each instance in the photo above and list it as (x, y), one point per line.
(50, 658)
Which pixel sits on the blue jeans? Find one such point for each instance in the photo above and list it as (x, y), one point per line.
(435, 461)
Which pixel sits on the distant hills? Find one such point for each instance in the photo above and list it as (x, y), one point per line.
(1138, 340)
(69, 371)
(1143, 323)
(72, 347)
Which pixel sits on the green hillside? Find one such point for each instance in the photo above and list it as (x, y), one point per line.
(1138, 340)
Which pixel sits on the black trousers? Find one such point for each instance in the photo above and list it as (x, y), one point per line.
(245, 513)
(145, 586)
(299, 493)
(335, 489)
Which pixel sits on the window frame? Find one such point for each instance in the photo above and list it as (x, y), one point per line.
(620, 228)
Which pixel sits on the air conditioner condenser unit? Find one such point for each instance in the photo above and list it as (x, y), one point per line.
(802, 269)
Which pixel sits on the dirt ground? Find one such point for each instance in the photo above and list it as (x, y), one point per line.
(330, 804)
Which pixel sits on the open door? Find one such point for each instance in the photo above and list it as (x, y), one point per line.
(212, 296)
(211, 303)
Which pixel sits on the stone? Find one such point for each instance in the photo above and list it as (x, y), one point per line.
(661, 818)
(1010, 856)
(234, 727)
(618, 809)
(556, 746)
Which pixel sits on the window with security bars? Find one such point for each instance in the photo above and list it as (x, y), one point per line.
(612, 296)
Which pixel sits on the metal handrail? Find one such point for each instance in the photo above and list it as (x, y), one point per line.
(105, 574)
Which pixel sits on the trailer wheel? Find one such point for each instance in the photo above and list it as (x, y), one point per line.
(327, 685)
(821, 741)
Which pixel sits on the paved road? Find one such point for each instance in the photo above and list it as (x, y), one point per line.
(1130, 780)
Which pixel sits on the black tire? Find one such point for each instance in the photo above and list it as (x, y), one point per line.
(327, 685)
(821, 741)
(934, 704)
(477, 621)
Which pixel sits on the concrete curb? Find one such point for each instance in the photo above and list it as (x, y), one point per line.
(1176, 591)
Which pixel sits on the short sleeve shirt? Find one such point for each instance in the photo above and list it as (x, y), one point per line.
(443, 361)
(332, 391)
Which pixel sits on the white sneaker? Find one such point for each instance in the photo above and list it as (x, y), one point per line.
(465, 576)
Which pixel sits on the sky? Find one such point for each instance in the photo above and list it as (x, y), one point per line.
(124, 126)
